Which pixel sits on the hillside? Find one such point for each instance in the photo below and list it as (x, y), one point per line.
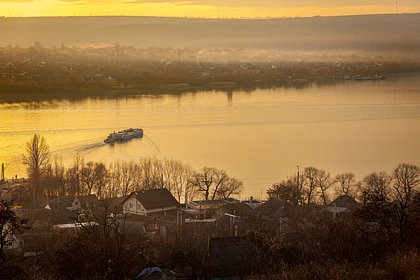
(396, 33)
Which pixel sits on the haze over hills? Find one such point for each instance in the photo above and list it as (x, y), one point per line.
(371, 33)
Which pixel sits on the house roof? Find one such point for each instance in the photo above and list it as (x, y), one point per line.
(276, 208)
(61, 202)
(113, 205)
(155, 199)
(207, 204)
(91, 199)
(63, 216)
(238, 209)
(345, 201)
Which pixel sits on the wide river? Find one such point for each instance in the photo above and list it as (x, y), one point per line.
(258, 137)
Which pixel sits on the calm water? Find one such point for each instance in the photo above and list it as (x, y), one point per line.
(258, 137)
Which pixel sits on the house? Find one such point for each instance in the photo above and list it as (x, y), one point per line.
(208, 208)
(114, 205)
(63, 216)
(342, 204)
(150, 201)
(236, 209)
(61, 203)
(281, 214)
(85, 202)
(276, 209)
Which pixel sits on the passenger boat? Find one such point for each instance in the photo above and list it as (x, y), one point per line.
(124, 135)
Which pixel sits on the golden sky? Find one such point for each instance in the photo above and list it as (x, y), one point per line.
(204, 8)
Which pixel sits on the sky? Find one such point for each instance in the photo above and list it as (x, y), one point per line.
(204, 8)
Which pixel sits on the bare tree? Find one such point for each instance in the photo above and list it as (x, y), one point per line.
(101, 175)
(376, 184)
(152, 173)
(378, 204)
(59, 175)
(88, 178)
(74, 176)
(406, 183)
(287, 190)
(230, 187)
(37, 161)
(345, 183)
(310, 184)
(177, 177)
(114, 186)
(208, 181)
(129, 170)
(323, 182)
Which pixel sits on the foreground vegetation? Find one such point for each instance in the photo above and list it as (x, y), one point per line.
(379, 239)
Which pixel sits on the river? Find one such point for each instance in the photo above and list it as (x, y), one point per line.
(258, 137)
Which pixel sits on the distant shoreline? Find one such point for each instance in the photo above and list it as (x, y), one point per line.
(16, 94)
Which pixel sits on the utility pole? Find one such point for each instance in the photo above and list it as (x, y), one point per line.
(298, 176)
(2, 173)
(396, 7)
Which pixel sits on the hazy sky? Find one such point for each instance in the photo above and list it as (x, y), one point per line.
(204, 8)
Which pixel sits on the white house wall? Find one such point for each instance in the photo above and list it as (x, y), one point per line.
(132, 205)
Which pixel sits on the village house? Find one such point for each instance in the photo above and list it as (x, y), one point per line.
(236, 209)
(150, 201)
(85, 202)
(342, 204)
(71, 203)
(276, 209)
(60, 203)
(208, 208)
(114, 206)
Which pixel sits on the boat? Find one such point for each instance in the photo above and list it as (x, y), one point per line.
(124, 135)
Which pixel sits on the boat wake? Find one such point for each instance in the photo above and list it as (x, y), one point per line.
(89, 147)
(154, 145)
(82, 147)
